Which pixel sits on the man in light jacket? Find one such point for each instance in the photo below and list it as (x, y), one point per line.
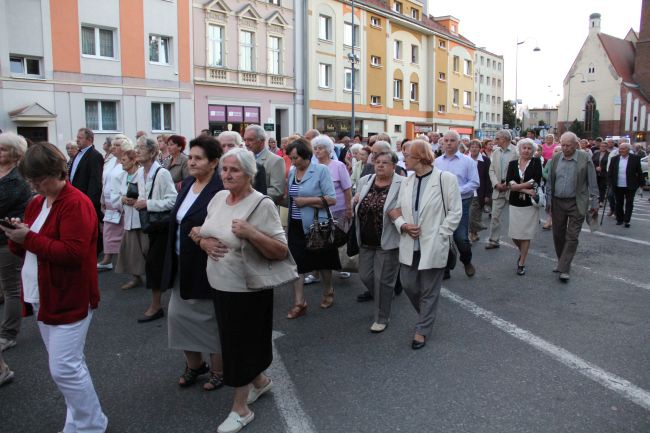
(255, 140)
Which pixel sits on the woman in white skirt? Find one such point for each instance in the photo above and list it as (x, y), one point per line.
(523, 177)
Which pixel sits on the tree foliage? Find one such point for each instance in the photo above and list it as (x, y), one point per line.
(577, 128)
(509, 113)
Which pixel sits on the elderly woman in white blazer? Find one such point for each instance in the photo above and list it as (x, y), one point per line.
(377, 237)
(428, 211)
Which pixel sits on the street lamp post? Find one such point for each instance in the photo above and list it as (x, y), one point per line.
(536, 49)
(352, 57)
(568, 98)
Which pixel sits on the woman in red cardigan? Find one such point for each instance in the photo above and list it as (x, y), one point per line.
(59, 276)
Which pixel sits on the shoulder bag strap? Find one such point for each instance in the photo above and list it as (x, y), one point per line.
(327, 208)
(153, 182)
(443, 196)
(256, 206)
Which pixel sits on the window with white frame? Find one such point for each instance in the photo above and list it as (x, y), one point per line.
(415, 14)
(494, 82)
(161, 116)
(397, 49)
(493, 118)
(456, 96)
(274, 55)
(246, 50)
(325, 75)
(159, 49)
(375, 61)
(441, 108)
(480, 98)
(415, 54)
(275, 2)
(442, 76)
(467, 98)
(499, 83)
(442, 44)
(98, 42)
(375, 22)
(499, 67)
(348, 80)
(215, 45)
(488, 63)
(30, 66)
(350, 37)
(397, 7)
(456, 64)
(494, 100)
(414, 92)
(498, 99)
(498, 118)
(482, 60)
(397, 128)
(325, 27)
(397, 89)
(375, 100)
(467, 67)
(101, 115)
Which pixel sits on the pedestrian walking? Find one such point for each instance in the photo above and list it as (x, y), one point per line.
(600, 159)
(482, 195)
(572, 191)
(625, 177)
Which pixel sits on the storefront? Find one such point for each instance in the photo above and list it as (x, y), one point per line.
(464, 132)
(232, 118)
(414, 129)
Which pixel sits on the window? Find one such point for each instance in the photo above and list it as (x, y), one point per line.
(246, 48)
(456, 64)
(375, 61)
(414, 92)
(348, 80)
(350, 37)
(499, 83)
(397, 89)
(96, 42)
(397, 7)
(414, 54)
(325, 75)
(101, 115)
(480, 98)
(467, 99)
(591, 69)
(456, 96)
(375, 22)
(467, 64)
(488, 63)
(499, 100)
(274, 55)
(482, 60)
(375, 100)
(161, 116)
(397, 50)
(159, 49)
(215, 45)
(442, 44)
(442, 76)
(25, 65)
(499, 67)
(398, 128)
(498, 118)
(324, 28)
(492, 116)
(441, 108)
(494, 100)
(494, 82)
(481, 78)
(415, 14)
(275, 2)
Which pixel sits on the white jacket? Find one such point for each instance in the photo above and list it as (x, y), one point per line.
(164, 192)
(436, 228)
(118, 190)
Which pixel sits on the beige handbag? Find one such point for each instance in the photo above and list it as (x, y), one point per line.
(261, 273)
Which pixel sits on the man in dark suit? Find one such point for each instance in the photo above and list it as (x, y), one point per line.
(86, 169)
(625, 177)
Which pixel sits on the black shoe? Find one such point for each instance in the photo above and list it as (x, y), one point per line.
(364, 297)
(521, 270)
(446, 275)
(398, 287)
(469, 270)
(157, 315)
(619, 223)
(627, 225)
(417, 345)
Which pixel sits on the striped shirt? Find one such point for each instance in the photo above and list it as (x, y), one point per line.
(293, 193)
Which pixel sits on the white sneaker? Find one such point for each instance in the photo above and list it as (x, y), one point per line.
(378, 327)
(6, 343)
(344, 275)
(106, 267)
(255, 393)
(6, 376)
(310, 279)
(235, 423)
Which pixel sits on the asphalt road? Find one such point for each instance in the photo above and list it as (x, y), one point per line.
(508, 354)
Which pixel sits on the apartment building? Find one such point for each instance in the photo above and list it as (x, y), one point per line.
(115, 66)
(243, 67)
(488, 93)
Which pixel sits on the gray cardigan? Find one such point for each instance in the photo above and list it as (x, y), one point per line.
(390, 237)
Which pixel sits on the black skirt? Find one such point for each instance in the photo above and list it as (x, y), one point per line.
(306, 260)
(155, 259)
(245, 327)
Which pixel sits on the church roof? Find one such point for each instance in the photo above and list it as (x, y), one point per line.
(621, 54)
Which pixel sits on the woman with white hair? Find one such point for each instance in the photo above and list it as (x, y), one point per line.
(71, 148)
(113, 226)
(15, 193)
(523, 177)
(323, 147)
(239, 217)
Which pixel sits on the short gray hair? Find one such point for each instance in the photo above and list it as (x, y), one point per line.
(245, 158)
(16, 143)
(454, 133)
(526, 141)
(383, 144)
(314, 132)
(259, 131)
(231, 134)
(149, 144)
(125, 143)
(504, 133)
(625, 143)
(390, 154)
(570, 135)
(323, 141)
(356, 147)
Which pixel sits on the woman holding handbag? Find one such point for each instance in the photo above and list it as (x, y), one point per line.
(310, 190)
(157, 194)
(427, 212)
(135, 244)
(240, 219)
(377, 238)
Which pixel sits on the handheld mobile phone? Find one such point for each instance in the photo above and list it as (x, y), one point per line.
(7, 224)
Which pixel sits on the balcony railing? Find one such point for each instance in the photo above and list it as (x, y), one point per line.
(217, 74)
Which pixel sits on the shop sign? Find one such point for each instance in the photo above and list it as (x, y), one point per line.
(422, 129)
(269, 127)
(216, 113)
(251, 114)
(235, 114)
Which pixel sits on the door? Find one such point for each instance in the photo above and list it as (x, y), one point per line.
(33, 134)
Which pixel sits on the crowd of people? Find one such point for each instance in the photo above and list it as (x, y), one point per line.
(221, 221)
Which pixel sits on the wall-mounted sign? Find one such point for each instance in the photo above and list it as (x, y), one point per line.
(216, 113)
(235, 114)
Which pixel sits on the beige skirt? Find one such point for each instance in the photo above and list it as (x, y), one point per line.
(133, 251)
(523, 222)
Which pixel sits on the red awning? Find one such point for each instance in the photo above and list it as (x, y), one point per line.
(462, 130)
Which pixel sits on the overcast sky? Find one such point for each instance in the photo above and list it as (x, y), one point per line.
(558, 27)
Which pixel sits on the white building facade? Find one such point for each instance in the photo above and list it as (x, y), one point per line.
(488, 93)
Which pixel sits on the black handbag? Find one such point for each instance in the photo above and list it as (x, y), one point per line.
(325, 235)
(154, 222)
(132, 190)
(353, 245)
(452, 256)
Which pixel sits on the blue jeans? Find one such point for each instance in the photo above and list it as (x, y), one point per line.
(461, 237)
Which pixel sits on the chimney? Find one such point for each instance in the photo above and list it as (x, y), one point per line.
(642, 57)
(594, 23)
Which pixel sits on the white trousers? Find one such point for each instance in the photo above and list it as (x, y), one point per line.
(65, 347)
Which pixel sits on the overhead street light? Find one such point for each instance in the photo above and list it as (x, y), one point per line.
(535, 50)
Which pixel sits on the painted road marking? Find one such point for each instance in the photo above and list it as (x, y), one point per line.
(621, 238)
(610, 381)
